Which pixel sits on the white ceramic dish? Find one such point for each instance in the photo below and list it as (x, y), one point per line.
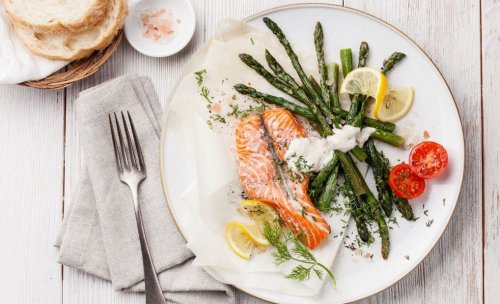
(184, 26)
(433, 110)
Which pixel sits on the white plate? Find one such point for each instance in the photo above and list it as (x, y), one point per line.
(434, 110)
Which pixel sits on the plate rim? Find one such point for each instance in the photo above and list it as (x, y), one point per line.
(391, 27)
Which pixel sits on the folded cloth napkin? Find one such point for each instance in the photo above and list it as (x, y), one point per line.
(17, 63)
(99, 235)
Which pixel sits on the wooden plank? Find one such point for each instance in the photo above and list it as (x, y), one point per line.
(31, 158)
(450, 34)
(490, 12)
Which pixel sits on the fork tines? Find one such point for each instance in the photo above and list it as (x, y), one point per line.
(128, 151)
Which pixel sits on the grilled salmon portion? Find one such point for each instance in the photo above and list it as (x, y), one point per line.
(261, 180)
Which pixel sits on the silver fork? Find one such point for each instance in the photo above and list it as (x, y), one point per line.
(132, 171)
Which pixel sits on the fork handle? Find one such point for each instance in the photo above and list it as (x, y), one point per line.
(154, 294)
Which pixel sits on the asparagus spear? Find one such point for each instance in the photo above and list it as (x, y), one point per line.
(327, 196)
(352, 174)
(280, 72)
(391, 61)
(361, 190)
(357, 213)
(384, 196)
(320, 54)
(358, 119)
(374, 208)
(333, 82)
(320, 179)
(358, 108)
(299, 110)
(346, 61)
(363, 54)
(357, 100)
(389, 138)
(323, 175)
(403, 206)
(353, 109)
(315, 85)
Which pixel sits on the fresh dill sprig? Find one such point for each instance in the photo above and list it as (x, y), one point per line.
(205, 93)
(218, 118)
(200, 75)
(239, 113)
(282, 239)
(302, 165)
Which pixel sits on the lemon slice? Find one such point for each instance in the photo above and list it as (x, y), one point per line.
(365, 81)
(238, 240)
(395, 105)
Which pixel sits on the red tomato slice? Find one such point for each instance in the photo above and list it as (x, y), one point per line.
(404, 183)
(428, 159)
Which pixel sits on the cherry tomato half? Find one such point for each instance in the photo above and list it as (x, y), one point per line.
(428, 159)
(404, 183)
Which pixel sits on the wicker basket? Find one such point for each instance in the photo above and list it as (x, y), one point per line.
(77, 70)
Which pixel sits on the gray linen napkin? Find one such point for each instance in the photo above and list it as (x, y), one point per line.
(99, 235)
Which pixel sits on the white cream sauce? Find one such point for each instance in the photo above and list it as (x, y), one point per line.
(311, 154)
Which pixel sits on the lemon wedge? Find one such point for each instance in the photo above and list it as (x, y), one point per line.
(365, 81)
(395, 105)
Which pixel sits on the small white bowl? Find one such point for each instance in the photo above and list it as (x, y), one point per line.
(180, 9)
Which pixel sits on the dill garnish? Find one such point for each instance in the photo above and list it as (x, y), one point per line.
(200, 75)
(302, 165)
(239, 113)
(281, 239)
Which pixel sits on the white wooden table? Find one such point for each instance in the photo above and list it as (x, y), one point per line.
(39, 157)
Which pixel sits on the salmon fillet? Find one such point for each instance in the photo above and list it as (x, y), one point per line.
(261, 181)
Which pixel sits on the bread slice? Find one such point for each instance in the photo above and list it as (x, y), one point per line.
(56, 15)
(73, 46)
